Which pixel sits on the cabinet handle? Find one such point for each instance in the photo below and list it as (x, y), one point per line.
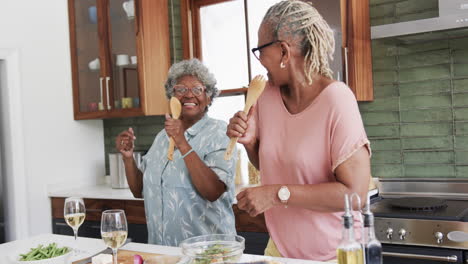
(137, 17)
(61, 224)
(97, 210)
(100, 89)
(107, 89)
(93, 210)
(346, 64)
(452, 258)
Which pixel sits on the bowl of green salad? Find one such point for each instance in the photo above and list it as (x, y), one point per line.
(44, 254)
(217, 248)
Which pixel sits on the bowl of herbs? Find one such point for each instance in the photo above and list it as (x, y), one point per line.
(217, 248)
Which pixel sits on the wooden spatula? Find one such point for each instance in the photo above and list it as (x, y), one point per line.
(176, 109)
(256, 87)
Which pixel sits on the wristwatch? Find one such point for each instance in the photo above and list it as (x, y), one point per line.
(283, 195)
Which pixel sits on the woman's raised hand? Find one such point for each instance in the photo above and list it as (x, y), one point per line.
(124, 143)
(243, 126)
(175, 129)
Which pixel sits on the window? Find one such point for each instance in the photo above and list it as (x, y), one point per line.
(220, 38)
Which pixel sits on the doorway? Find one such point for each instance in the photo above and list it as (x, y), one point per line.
(2, 172)
(13, 184)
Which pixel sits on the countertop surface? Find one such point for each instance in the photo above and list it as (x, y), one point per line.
(88, 247)
(104, 191)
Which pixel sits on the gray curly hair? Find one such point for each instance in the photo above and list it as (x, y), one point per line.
(299, 22)
(195, 68)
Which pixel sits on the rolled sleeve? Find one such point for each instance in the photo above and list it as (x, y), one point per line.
(224, 169)
(348, 134)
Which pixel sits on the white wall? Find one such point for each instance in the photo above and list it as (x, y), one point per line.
(57, 149)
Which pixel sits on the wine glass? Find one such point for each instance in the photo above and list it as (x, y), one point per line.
(114, 230)
(74, 213)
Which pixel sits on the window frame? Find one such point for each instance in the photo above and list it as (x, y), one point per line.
(356, 41)
(191, 36)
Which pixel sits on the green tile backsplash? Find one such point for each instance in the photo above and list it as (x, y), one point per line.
(418, 122)
(145, 129)
(393, 11)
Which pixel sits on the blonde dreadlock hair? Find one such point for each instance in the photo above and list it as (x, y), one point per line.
(301, 23)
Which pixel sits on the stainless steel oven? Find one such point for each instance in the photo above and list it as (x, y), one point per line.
(413, 218)
(394, 254)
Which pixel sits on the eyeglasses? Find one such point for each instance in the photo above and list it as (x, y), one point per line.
(256, 51)
(181, 90)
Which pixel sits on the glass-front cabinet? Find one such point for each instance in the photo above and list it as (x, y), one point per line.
(123, 55)
(107, 42)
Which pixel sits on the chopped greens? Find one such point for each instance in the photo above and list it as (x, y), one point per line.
(41, 252)
(214, 254)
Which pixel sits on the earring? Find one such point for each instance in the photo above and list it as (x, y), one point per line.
(282, 66)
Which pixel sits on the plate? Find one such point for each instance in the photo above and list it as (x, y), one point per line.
(87, 247)
(62, 259)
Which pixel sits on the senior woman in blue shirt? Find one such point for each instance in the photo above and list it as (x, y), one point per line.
(192, 194)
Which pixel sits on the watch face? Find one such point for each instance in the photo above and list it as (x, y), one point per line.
(284, 193)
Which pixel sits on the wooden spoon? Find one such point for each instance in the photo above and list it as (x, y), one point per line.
(176, 109)
(256, 87)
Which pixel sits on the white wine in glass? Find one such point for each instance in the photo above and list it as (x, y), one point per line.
(114, 230)
(74, 212)
(75, 220)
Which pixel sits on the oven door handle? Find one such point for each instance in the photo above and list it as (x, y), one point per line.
(452, 258)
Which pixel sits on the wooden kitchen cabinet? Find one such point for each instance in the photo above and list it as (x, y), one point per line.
(134, 210)
(120, 57)
(355, 23)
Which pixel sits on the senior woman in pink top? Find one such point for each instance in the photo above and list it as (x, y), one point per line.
(305, 135)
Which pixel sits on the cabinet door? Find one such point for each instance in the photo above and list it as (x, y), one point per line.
(90, 229)
(138, 233)
(87, 57)
(357, 48)
(122, 78)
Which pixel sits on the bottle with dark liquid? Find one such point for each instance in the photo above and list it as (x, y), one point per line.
(349, 251)
(372, 247)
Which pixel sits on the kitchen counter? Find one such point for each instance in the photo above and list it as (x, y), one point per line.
(90, 246)
(105, 191)
(102, 197)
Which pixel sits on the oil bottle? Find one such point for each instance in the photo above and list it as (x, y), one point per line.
(349, 250)
(372, 247)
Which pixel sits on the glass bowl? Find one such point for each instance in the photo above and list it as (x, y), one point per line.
(217, 248)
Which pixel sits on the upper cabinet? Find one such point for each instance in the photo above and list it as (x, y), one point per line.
(120, 57)
(355, 21)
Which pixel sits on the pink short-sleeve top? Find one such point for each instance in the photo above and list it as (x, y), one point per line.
(306, 148)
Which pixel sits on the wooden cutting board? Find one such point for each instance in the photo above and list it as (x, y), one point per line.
(126, 256)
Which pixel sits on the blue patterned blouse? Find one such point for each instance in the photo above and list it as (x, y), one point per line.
(174, 209)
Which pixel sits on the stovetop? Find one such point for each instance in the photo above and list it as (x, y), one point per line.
(453, 210)
(420, 222)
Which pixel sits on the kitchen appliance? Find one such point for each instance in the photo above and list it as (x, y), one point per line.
(452, 14)
(413, 218)
(117, 169)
